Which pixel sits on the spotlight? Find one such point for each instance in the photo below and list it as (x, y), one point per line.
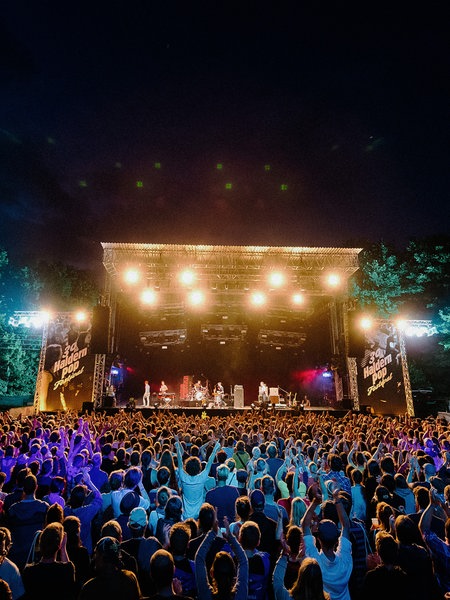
(333, 280)
(80, 316)
(276, 279)
(187, 277)
(132, 276)
(148, 296)
(258, 299)
(196, 298)
(298, 298)
(366, 323)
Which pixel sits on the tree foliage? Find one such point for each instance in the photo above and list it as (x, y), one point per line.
(413, 283)
(34, 287)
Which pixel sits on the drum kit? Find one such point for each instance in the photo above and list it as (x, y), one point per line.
(202, 397)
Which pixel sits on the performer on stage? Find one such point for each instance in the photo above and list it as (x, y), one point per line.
(263, 393)
(146, 396)
(163, 389)
(218, 393)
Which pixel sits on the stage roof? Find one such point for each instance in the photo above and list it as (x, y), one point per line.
(229, 267)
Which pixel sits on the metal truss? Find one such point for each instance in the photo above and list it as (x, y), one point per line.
(99, 376)
(229, 266)
(37, 391)
(405, 371)
(353, 381)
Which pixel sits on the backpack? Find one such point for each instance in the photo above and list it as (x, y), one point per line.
(258, 582)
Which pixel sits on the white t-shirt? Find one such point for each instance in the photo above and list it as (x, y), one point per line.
(335, 573)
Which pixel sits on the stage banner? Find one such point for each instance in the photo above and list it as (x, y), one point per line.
(67, 373)
(380, 375)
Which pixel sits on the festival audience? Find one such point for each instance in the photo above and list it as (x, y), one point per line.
(316, 479)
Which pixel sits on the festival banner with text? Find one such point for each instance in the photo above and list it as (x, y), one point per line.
(68, 370)
(380, 374)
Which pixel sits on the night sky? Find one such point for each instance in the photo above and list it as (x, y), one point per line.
(274, 123)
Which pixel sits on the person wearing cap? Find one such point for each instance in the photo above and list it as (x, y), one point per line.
(140, 547)
(111, 582)
(132, 483)
(267, 526)
(336, 564)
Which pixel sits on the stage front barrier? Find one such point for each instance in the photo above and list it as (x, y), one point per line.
(238, 396)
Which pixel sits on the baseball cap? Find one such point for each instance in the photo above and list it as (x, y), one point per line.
(128, 502)
(137, 518)
(257, 499)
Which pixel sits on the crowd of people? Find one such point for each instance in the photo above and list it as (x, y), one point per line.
(242, 506)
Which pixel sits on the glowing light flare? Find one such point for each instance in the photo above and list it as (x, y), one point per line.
(187, 277)
(258, 299)
(298, 299)
(80, 316)
(148, 297)
(333, 280)
(132, 276)
(366, 323)
(276, 279)
(196, 298)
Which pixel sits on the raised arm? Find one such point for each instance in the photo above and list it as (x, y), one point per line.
(307, 519)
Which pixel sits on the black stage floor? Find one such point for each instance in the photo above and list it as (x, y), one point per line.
(191, 411)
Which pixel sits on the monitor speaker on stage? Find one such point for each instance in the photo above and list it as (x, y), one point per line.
(100, 330)
(238, 396)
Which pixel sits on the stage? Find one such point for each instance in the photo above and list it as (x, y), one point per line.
(199, 411)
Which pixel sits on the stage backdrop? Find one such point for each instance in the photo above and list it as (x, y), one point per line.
(68, 368)
(380, 374)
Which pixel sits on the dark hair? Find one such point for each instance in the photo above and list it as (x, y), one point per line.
(335, 462)
(223, 572)
(50, 539)
(179, 537)
(29, 484)
(206, 517)
(249, 535)
(309, 584)
(72, 526)
(294, 538)
(386, 547)
(162, 568)
(55, 514)
(173, 508)
(193, 466)
(243, 507)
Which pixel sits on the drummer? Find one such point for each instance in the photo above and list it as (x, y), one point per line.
(163, 389)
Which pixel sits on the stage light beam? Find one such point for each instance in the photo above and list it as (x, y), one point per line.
(80, 316)
(258, 299)
(196, 298)
(366, 323)
(187, 277)
(132, 276)
(276, 279)
(298, 298)
(148, 297)
(333, 280)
